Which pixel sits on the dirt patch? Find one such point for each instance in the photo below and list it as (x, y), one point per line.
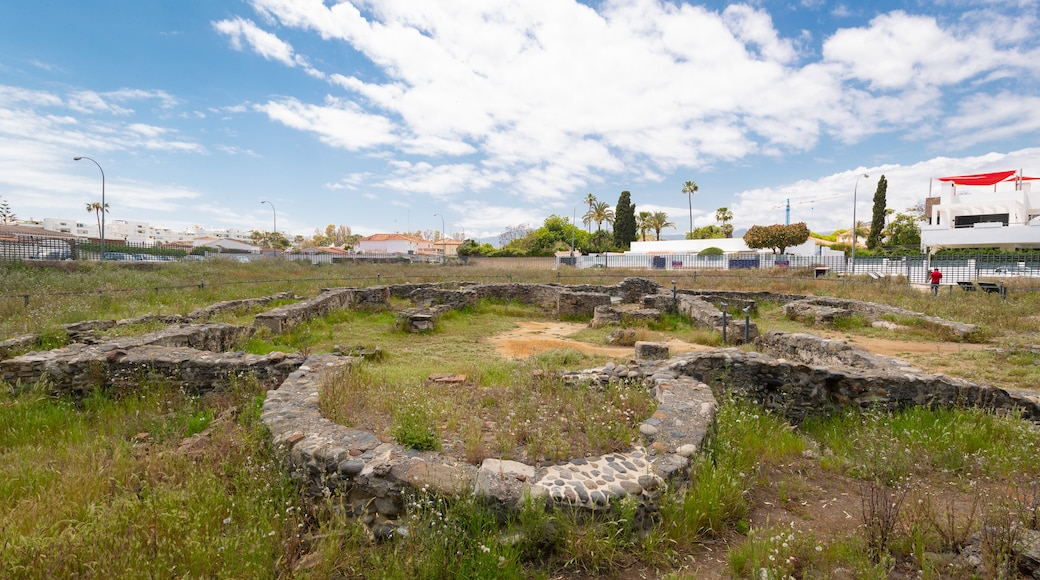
(530, 338)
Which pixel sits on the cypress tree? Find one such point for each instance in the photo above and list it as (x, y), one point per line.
(625, 222)
(877, 225)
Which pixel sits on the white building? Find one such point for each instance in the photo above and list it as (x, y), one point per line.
(986, 210)
(391, 244)
(137, 232)
(727, 245)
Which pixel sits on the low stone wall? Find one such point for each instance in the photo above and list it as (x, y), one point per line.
(579, 304)
(824, 309)
(77, 368)
(706, 315)
(373, 477)
(284, 318)
(797, 390)
(814, 350)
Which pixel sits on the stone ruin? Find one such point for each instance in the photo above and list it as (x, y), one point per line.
(798, 375)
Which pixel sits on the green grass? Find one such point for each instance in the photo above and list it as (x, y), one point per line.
(104, 487)
(101, 489)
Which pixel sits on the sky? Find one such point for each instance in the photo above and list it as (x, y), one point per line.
(471, 117)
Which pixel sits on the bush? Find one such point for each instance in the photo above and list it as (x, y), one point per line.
(712, 251)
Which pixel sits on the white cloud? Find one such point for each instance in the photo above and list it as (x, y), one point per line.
(338, 123)
(557, 93)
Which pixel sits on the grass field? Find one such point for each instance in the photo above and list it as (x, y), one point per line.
(167, 483)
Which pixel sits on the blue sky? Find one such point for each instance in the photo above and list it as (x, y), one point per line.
(378, 115)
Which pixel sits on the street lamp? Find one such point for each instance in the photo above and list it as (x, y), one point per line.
(274, 217)
(103, 207)
(444, 245)
(852, 262)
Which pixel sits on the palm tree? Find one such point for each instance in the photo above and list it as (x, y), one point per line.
(589, 200)
(599, 213)
(724, 216)
(97, 208)
(658, 222)
(690, 188)
(643, 223)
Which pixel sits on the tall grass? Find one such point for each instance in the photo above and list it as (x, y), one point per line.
(118, 488)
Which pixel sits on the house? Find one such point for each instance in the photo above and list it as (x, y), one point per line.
(392, 244)
(985, 210)
(447, 247)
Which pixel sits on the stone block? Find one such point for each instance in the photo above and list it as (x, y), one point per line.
(651, 350)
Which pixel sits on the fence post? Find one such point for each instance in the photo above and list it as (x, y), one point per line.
(25, 300)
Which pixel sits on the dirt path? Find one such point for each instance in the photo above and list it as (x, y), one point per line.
(533, 337)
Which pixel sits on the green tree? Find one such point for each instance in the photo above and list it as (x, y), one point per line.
(724, 216)
(778, 237)
(624, 222)
(690, 188)
(904, 229)
(709, 232)
(658, 222)
(473, 248)
(643, 219)
(97, 208)
(877, 223)
(7, 216)
(600, 213)
(589, 200)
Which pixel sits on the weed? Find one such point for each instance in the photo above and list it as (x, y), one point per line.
(413, 427)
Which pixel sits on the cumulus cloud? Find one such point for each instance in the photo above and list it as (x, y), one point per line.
(556, 92)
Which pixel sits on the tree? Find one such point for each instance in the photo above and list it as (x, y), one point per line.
(724, 216)
(778, 237)
(643, 219)
(624, 222)
(556, 234)
(658, 222)
(589, 200)
(97, 208)
(6, 215)
(690, 188)
(511, 233)
(709, 232)
(473, 248)
(877, 224)
(904, 229)
(600, 213)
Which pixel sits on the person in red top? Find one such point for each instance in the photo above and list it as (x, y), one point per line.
(935, 276)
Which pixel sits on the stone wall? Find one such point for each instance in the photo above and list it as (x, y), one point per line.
(579, 304)
(797, 390)
(373, 477)
(284, 318)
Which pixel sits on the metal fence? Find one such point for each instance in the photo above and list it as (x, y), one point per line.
(912, 268)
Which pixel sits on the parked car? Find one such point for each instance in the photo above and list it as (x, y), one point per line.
(58, 254)
(117, 256)
(1013, 271)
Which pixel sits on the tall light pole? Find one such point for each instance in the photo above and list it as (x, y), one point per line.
(274, 217)
(444, 246)
(103, 207)
(852, 263)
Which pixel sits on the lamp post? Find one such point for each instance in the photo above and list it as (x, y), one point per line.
(852, 262)
(103, 207)
(274, 217)
(444, 246)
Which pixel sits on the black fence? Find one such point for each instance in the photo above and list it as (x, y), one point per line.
(912, 269)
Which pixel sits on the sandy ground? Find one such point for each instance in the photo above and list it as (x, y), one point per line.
(533, 337)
